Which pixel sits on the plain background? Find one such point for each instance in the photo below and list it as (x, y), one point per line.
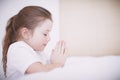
(90, 27)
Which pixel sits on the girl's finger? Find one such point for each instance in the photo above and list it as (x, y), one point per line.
(66, 51)
(62, 47)
(57, 47)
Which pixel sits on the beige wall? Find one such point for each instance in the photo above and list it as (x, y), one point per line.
(90, 27)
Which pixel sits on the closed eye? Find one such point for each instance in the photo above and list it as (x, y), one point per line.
(45, 34)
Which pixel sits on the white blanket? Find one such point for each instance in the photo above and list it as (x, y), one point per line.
(83, 68)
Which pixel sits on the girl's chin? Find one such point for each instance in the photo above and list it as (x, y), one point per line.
(42, 49)
(39, 50)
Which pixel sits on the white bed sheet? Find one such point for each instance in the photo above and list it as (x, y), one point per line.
(83, 68)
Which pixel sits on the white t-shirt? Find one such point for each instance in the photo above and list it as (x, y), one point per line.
(19, 57)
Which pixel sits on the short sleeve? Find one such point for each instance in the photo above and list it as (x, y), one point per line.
(21, 57)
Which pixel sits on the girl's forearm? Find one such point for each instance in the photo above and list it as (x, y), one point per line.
(49, 67)
(37, 67)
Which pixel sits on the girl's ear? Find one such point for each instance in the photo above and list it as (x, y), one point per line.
(25, 33)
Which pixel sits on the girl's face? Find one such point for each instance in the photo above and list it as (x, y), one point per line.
(40, 36)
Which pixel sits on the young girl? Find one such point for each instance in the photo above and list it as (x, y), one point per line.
(27, 33)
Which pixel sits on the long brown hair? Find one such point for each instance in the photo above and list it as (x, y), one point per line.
(28, 17)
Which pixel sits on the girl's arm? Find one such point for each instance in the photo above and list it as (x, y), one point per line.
(38, 67)
(58, 58)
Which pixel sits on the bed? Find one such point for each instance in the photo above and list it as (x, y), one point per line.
(82, 68)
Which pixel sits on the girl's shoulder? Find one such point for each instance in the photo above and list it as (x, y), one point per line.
(20, 48)
(20, 44)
